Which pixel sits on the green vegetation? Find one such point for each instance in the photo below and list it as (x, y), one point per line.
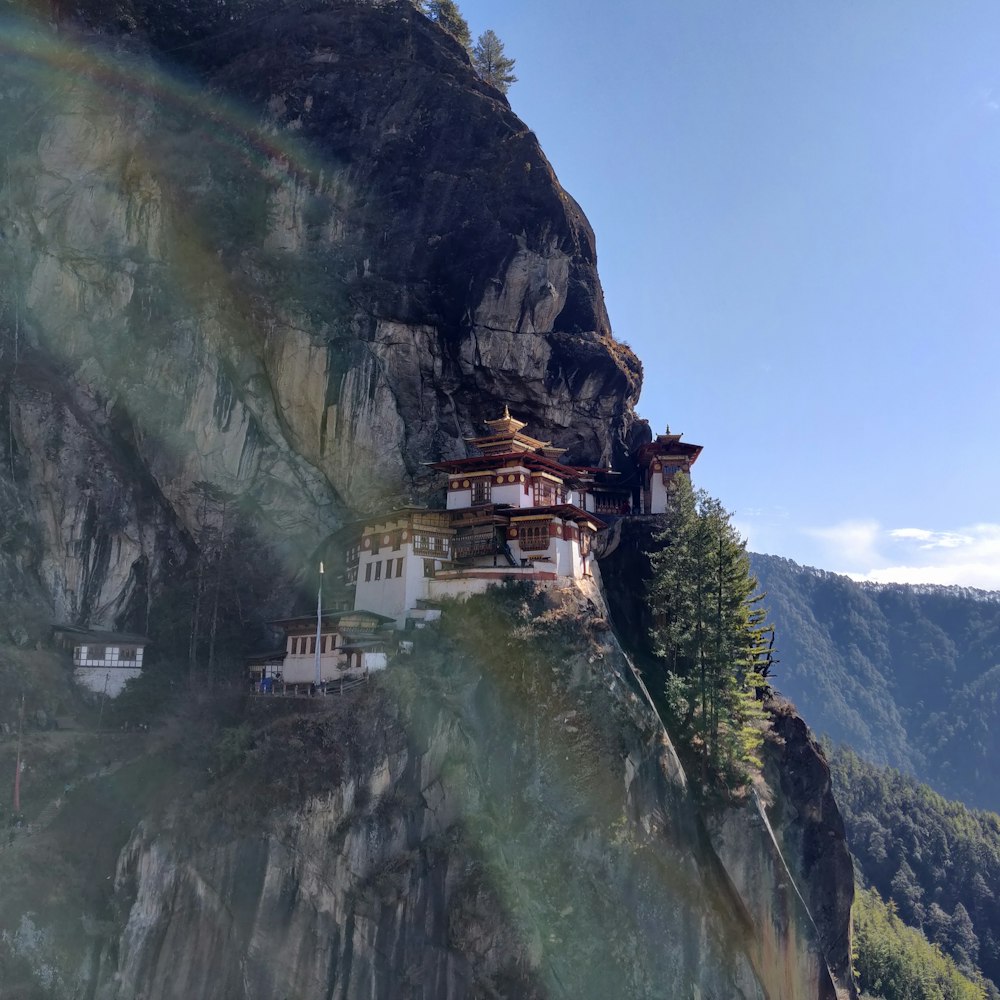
(710, 633)
(896, 962)
(907, 676)
(938, 861)
(491, 63)
(447, 14)
(488, 58)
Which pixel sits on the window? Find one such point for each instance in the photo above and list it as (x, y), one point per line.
(96, 652)
(548, 493)
(534, 537)
(399, 567)
(368, 573)
(127, 653)
(428, 567)
(312, 644)
(430, 545)
(481, 490)
(378, 571)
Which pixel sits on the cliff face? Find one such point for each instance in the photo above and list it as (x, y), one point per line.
(505, 818)
(264, 270)
(314, 257)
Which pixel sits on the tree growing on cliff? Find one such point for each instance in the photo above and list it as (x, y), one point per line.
(447, 14)
(711, 631)
(490, 62)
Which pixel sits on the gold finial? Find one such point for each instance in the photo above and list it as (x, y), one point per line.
(505, 424)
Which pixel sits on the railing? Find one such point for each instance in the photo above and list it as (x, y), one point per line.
(342, 686)
(604, 504)
(480, 544)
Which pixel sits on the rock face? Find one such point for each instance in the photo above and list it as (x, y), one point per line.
(527, 831)
(811, 834)
(315, 261)
(261, 270)
(805, 844)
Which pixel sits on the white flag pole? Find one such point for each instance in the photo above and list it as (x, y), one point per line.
(319, 623)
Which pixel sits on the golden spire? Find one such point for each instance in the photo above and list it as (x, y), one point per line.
(506, 424)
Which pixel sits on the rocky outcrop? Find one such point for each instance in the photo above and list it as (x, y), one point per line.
(310, 265)
(270, 288)
(502, 819)
(811, 834)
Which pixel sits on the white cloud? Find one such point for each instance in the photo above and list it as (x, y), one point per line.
(852, 543)
(933, 539)
(864, 550)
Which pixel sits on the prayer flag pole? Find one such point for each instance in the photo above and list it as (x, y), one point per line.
(319, 621)
(17, 764)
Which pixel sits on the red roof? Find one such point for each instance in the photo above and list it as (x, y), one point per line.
(530, 460)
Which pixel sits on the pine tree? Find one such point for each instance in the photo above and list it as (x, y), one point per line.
(447, 14)
(711, 632)
(491, 63)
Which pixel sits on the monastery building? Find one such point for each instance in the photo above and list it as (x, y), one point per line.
(514, 511)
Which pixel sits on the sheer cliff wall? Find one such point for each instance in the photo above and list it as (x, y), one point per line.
(294, 259)
(281, 262)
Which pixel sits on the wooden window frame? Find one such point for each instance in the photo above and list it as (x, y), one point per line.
(482, 491)
(531, 535)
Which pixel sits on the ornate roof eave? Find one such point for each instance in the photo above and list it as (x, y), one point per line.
(495, 440)
(506, 424)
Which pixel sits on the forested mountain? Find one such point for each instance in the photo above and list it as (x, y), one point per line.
(937, 860)
(907, 676)
(894, 961)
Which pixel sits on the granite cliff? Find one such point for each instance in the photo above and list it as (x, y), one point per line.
(504, 816)
(313, 256)
(284, 255)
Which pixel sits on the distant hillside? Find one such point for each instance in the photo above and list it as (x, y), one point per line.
(938, 861)
(907, 676)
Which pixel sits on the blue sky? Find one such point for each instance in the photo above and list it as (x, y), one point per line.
(797, 209)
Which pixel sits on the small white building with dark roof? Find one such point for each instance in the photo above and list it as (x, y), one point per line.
(103, 662)
(350, 645)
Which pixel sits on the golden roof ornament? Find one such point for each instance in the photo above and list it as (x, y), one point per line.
(506, 424)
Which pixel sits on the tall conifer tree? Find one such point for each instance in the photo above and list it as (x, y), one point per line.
(492, 65)
(710, 631)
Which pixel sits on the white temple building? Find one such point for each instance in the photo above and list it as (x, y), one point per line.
(513, 511)
(103, 662)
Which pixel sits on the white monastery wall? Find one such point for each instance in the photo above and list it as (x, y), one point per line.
(511, 493)
(658, 494)
(301, 668)
(460, 588)
(374, 661)
(95, 678)
(458, 499)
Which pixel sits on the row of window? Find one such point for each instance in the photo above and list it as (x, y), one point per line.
(125, 653)
(377, 571)
(302, 644)
(545, 493)
(534, 537)
(431, 545)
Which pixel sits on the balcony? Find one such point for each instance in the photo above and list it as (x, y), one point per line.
(479, 543)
